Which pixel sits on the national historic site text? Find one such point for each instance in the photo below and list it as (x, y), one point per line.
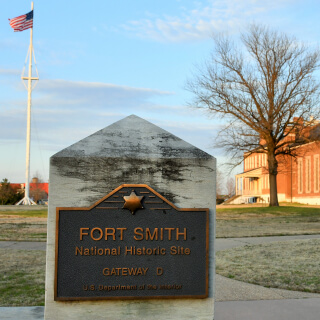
(95, 251)
(109, 234)
(131, 251)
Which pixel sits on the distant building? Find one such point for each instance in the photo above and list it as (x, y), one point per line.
(39, 191)
(298, 179)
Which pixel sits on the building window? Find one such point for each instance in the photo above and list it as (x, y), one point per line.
(308, 174)
(316, 173)
(265, 160)
(300, 176)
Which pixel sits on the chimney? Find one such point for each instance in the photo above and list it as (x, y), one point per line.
(34, 180)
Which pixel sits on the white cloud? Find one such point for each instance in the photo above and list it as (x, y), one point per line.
(202, 21)
(88, 94)
(65, 111)
(10, 72)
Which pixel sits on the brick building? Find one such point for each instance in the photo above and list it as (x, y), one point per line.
(39, 191)
(298, 178)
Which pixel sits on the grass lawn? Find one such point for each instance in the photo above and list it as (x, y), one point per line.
(20, 224)
(22, 277)
(292, 265)
(267, 221)
(24, 211)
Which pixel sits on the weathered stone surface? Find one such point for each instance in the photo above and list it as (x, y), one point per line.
(130, 151)
(133, 137)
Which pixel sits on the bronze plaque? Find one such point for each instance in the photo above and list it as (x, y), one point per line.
(131, 244)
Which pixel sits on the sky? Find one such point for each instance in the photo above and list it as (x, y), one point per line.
(101, 61)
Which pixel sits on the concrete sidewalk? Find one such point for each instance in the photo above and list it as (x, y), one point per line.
(23, 245)
(232, 310)
(229, 243)
(302, 309)
(235, 300)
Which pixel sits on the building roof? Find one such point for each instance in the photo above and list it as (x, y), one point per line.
(44, 186)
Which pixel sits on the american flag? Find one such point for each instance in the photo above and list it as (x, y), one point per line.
(22, 22)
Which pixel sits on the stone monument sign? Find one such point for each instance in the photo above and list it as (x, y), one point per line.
(131, 227)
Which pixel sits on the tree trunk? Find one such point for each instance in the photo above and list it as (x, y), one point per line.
(273, 172)
(273, 191)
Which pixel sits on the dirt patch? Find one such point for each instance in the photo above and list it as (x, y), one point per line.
(292, 265)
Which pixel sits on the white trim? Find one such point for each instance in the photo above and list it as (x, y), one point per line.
(308, 174)
(316, 180)
(300, 175)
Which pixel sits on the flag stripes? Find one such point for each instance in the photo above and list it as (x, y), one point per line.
(22, 22)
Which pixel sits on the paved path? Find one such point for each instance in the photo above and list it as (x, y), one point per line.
(302, 309)
(23, 245)
(229, 243)
(235, 300)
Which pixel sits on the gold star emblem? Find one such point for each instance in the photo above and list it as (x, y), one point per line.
(132, 202)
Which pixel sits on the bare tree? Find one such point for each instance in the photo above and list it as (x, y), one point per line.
(219, 183)
(231, 187)
(264, 90)
(36, 190)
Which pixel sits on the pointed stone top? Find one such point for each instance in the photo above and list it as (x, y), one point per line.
(132, 137)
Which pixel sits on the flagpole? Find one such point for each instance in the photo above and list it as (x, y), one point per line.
(26, 200)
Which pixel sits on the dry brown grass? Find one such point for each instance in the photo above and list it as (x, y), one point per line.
(258, 227)
(256, 221)
(17, 228)
(23, 223)
(22, 277)
(292, 265)
(19, 224)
